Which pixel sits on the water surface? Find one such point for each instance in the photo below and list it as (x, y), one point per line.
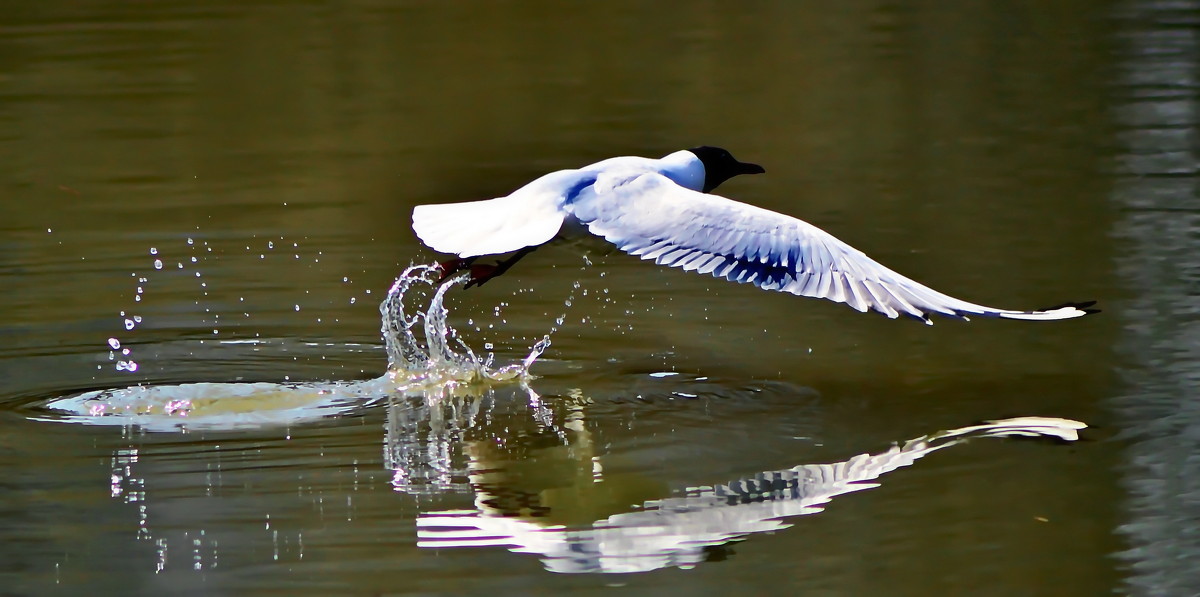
(224, 189)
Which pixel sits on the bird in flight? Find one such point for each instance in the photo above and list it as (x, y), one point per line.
(662, 209)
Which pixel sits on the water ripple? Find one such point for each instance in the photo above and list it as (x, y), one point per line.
(441, 364)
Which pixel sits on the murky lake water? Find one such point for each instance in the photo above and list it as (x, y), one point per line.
(224, 189)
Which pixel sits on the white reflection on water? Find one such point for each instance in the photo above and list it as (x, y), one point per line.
(446, 433)
(681, 531)
(440, 364)
(426, 442)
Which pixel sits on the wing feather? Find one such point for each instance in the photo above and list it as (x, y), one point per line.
(652, 217)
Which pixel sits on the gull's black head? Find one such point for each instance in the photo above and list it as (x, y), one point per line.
(720, 166)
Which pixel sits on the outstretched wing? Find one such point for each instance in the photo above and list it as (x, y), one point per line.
(652, 217)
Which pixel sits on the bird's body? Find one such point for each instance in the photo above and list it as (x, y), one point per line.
(661, 209)
(535, 213)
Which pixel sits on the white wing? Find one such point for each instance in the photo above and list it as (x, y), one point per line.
(530, 216)
(653, 218)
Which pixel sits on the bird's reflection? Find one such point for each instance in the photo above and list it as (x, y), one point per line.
(518, 497)
(434, 441)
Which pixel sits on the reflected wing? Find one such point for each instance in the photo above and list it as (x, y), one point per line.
(652, 217)
(676, 531)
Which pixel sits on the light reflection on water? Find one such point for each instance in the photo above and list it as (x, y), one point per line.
(683, 531)
(441, 438)
(535, 476)
(1158, 87)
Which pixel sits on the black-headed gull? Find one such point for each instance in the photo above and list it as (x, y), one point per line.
(661, 209)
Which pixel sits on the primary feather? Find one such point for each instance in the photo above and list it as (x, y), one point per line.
(649, 216)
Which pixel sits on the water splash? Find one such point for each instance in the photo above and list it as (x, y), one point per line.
(444, 357)
(433, 366)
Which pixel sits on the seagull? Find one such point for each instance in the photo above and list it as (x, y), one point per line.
(663, 210)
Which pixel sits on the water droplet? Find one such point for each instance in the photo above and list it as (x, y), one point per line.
(128, 324)
(297, 307)
(190, 241)
(352, 299)
(114, 343)
(270, 244)
(153, 251)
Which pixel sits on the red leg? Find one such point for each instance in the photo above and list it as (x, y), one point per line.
(454, 265)
(480, 274)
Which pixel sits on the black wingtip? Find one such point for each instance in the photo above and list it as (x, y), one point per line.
(1084, 306)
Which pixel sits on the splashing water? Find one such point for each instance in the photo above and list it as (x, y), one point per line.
(443, 365)
(438, 360)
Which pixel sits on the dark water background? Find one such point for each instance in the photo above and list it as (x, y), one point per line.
(1016, 154)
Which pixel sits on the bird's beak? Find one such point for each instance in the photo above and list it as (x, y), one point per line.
(748, 168)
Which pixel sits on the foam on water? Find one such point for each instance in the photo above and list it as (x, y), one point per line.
(442, 364)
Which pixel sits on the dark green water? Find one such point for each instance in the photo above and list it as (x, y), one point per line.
(1012, 154)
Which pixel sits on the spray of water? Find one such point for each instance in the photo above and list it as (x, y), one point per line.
(444, 357)
(438, 364)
